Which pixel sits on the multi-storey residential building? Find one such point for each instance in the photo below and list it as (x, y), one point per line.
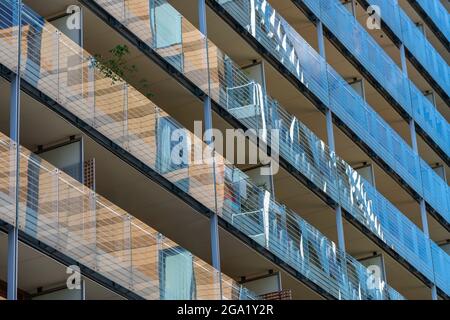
(341, 108)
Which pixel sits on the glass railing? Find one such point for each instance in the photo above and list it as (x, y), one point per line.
(414, 39)
(272, 225)
(424, 52)
(65, 72)
(60, 212)
(438, 14)
(373, 57)
(441, 261)
(325, 171)
(334, 177)
(286, 45)
(244, 99)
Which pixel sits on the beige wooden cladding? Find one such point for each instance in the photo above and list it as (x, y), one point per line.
(229, 288)
(194, 53)
(215, 69)
(116, 8)
(7, 181)
(45, 74)
(142, 127)
(145, 259)
(120, 112)
(110, 108)
(63, 213)
(68, 216)
(8, 47)
(207, 283)
(137, 18)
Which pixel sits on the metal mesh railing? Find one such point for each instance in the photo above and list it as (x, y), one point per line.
(253, 211)
(285, 44)
(352, 109)
(64, 214)
(234, 91)
(65, 72)
(374, 58)
(438, 14)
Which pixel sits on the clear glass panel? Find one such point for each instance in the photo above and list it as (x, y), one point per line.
(64, 214)
(271, 30)
(136, 124)
(37, 198)
(7, 181)
(437, 12)
(9, 33)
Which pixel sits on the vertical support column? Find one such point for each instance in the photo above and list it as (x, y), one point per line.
(403, 60)
(424, 218)
(207, 118)
(128, 248)
(83, 290)
(321, 40)
(351, 5)
(13, 232)
(423, 215)
(330, 140)
(412, 130)
(125, 117)
(423, 208)
(93, 227)
(58, 68)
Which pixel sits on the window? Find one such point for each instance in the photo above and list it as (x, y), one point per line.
(166, 26)
(168, 144)
(177, 278)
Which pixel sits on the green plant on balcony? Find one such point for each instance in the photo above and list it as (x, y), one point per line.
(116, 67)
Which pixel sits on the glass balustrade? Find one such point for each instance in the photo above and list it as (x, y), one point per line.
(438, 14)
(310, 156)
(424, 51)
(283, 42)
(7, 184)
(381, 217)
(9, 33)
(440, 262)
(349, 32)
(337, 179)
(415, 40)
(373, 57)
(60, 212)
(115, 127)
(254, 212)
(66, 73)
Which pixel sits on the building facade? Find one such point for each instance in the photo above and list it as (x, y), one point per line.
(225, 149)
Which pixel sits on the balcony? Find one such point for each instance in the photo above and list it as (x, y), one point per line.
(312, 159)
(66, 75)
(68, 217)
(436, 16)
(422, 52)
(388, 75)
(312, 72)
